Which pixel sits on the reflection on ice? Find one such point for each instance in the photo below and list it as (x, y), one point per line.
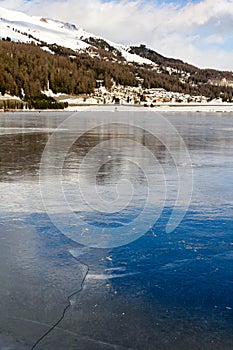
(172, 290)
(108, 276)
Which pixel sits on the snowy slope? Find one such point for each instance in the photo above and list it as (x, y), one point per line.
(46, 30)
(23, 28)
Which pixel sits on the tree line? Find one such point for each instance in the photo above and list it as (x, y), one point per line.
(26, 70)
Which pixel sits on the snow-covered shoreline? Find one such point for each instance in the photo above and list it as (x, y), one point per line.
(165, 107)
(185, 107)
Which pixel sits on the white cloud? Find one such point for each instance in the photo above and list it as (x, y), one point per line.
(214, 39)
(196, 32)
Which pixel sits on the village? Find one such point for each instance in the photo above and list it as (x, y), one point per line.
(116, 95)
(134, 95)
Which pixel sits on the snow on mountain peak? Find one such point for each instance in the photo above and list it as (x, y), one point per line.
(21, 27)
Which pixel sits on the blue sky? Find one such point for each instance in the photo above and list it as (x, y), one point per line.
(197, 31)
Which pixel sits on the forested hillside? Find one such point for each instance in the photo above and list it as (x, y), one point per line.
(196, 74)
(26, 70)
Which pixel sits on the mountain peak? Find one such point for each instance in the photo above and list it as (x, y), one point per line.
(21, 27)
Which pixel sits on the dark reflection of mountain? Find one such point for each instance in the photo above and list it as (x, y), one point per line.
(120, 168)
(122, 159)
(20, 154)
(119, 165)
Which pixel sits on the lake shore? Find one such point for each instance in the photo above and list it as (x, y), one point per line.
(160, 107)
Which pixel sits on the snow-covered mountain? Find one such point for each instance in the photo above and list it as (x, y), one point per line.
(20, 27)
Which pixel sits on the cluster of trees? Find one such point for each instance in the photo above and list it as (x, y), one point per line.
(11, 104)
(26, 70)
(104, 49)
(44, 102)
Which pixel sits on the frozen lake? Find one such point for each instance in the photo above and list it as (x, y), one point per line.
(107, 191)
